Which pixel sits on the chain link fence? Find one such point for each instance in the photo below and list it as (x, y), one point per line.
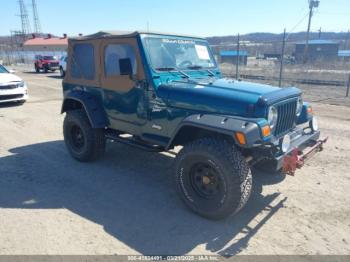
(323, 75)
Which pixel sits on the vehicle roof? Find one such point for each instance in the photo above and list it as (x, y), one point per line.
(121, 34)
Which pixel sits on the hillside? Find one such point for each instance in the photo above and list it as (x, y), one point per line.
(270, 37)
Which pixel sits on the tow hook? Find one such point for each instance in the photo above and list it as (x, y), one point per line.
(296, 158)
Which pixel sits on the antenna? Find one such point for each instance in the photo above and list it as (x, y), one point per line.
(24, 19)
(37, 26)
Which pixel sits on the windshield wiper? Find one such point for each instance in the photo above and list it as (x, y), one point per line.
(200, 67)
(195, 67)
(165, 68)
(172, 69)
(210, 72)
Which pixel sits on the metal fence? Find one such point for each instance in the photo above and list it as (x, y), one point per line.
(276, 62)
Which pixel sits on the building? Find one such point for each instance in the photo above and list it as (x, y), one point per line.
(49, 44)
(344, 55)
(317, 50)
(232, 56)
(272, 56)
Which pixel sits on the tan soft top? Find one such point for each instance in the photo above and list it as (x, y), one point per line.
(121, 34)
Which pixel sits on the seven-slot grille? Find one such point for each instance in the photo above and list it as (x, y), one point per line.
(286, 116)
(53, 64)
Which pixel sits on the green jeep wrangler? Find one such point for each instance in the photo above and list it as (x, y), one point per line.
(158, 91)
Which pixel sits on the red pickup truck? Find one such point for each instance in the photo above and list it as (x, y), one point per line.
(46, 63)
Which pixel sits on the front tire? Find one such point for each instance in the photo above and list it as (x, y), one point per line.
(213, 178)
(83, 142)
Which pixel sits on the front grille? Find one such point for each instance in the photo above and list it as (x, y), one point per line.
(53, 64)
(8, 97)
(8, 87)
(286, 116)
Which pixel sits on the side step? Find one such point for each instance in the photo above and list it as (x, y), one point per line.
(131, 141)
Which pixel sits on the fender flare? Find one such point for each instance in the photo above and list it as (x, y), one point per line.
(226, 125)
(92, 106)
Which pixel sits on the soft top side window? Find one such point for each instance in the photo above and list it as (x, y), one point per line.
(114, 55)
(83, 61)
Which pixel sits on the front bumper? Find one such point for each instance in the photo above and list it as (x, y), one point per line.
(304, 144)
(52, 66)
(297, 157)
(13, 95)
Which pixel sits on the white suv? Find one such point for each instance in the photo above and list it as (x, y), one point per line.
(12, 88)
(63, 65)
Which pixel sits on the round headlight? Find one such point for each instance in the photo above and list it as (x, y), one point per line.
(272, 116)
(300, 105)
(285, 143)
(314, 124)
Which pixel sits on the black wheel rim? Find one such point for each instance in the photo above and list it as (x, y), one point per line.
(205, 180)
(77, 138)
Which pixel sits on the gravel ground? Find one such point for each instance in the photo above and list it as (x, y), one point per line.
(51, 204)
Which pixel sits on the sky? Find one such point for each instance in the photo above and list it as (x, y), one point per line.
(195, 17)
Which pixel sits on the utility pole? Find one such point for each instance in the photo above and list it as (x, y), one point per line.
(319, 33)
(346, 40)
(348, 87)
(312, 4)
(238, 58)
(282, 58)
(37, 26)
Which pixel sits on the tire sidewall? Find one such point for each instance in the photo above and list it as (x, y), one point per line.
(190, 196)
(71, 121)
(236, 177)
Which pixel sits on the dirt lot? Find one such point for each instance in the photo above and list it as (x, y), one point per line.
(51, 204)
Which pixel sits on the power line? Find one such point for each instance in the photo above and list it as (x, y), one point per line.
(297, 24)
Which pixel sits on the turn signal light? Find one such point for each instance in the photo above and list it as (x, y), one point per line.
(241, 138)
(309, 110)
(266, 131)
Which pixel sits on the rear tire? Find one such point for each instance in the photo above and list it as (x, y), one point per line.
(37, 69)
(62, 73)
(46, 70)
(213, 178)
(83, 142)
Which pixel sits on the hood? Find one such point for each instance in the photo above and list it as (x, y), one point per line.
(225, 96)
(8, 78)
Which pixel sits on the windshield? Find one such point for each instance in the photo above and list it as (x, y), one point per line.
(3, 70)
(49, 58)
(167, 53)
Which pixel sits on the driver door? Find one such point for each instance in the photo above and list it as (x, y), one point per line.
(124, 96)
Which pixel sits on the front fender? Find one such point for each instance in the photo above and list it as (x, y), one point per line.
(92, 106)
(227, 125)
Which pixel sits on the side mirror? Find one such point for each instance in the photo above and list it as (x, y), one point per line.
(125, 67)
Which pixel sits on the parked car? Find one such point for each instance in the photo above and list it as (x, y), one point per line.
(156, 92)
(46, 63)
(63, 65)
(12, 88)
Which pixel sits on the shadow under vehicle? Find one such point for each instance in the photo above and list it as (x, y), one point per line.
(134, 203)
